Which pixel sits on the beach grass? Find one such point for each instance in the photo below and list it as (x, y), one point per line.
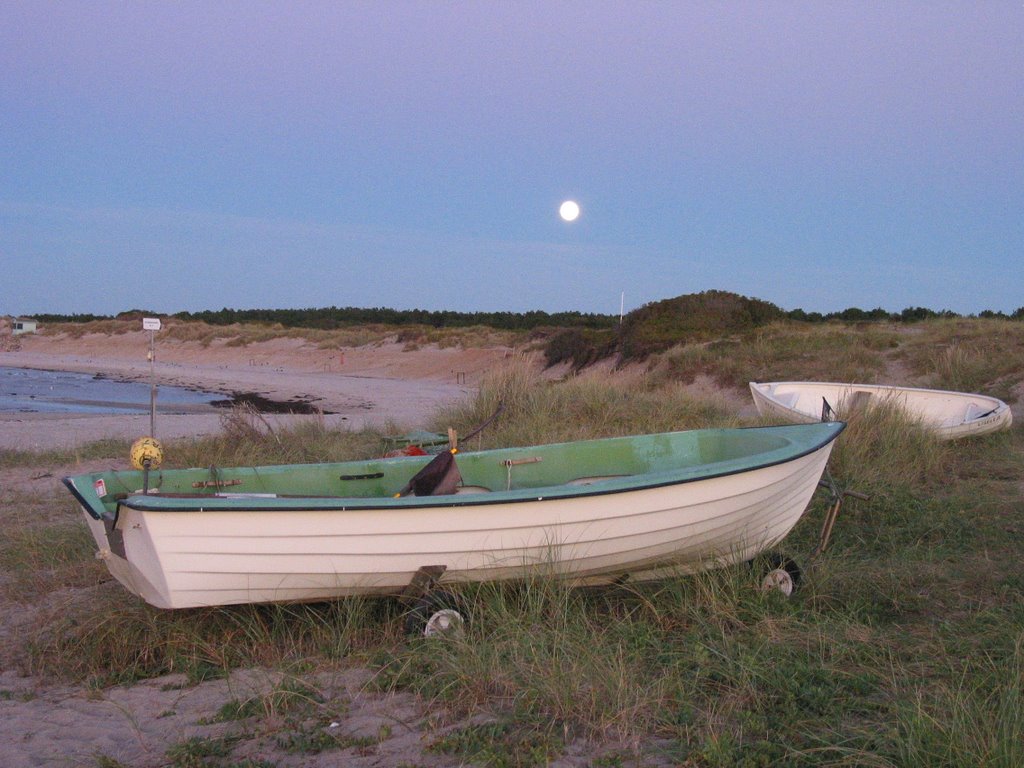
(247, 438)
(66, 458)
(532, 410)
(785, 351)
(904, 645)
(962, 355)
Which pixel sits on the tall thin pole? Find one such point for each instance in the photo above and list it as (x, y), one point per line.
(152, 384)
(622, 306)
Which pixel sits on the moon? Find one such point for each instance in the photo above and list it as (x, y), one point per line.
(569, 210)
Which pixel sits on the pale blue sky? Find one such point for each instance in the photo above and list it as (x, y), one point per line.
(188, 156)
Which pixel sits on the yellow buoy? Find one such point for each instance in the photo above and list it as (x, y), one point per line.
(147, 449)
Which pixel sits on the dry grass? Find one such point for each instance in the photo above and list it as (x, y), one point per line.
(535, 411)
(43, 558)
(969, 355)
(788, 351)
(247, 438)
(884, 448)
(242, 335)
(245, 334)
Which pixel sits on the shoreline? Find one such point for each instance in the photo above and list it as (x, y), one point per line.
(356, 399)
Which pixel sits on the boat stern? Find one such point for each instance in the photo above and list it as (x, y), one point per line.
(102, 515)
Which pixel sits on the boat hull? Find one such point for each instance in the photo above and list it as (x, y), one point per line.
(948, 415)
(256, 550)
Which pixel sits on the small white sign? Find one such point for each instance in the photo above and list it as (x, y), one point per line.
(151, 323)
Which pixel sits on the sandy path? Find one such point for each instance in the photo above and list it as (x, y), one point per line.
(138, 725)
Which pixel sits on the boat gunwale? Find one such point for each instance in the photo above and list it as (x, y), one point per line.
(630, 484)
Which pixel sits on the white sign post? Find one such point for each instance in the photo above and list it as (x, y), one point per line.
(152, 324)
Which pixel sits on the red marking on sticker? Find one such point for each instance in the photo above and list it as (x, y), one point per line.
(100, 487)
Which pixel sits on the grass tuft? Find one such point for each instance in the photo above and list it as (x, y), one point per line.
(535, 411)
(977, 720)
(118, 639)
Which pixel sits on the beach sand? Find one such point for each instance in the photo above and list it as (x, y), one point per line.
(377, 385)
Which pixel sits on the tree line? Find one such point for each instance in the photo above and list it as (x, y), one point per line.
(328, 318)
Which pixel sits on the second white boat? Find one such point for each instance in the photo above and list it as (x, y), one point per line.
(950, 415)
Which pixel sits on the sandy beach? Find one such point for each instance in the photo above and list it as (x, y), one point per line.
(376, 385)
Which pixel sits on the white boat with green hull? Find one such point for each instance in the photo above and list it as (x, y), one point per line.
(949, 415)
(593, 511)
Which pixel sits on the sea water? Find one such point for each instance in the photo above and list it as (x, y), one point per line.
(23, 390)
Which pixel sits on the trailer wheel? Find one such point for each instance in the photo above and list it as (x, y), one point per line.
(781, 574)
(436, 614)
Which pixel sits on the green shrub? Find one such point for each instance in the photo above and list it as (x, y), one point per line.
(661, 325)
(579, 347)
